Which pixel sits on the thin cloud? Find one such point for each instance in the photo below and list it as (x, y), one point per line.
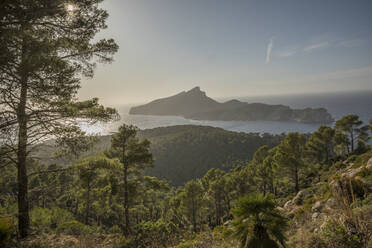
(287, 53)
(351, 43)
(316, 46)
(268, 51)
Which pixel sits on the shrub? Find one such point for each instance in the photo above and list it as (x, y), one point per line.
(6, 229)
(74, 228)
(336, 235)
(316, 242)
(154, 233)
(44, 218)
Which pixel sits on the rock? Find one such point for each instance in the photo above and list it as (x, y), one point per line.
(369, 164)
(298, 198)
(289, 205)
(280, 209)
(350, 173)
(317, 206)
(331, 203)
(323, 225)
(315, 215)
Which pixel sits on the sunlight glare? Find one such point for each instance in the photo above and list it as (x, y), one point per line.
(70, 7)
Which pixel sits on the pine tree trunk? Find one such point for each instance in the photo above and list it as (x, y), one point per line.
(88, 205)
(296, 180)
(193, 214)
(126, 202)
(23, 208)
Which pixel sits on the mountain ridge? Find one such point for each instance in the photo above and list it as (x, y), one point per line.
(195, 104)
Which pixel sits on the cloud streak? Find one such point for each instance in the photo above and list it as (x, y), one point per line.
(287, 53)
(268, 51)
(351, 43)
(316, 46)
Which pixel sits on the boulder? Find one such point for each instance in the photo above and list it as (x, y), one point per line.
(315, 215)
(369, 164)
(289, 205)
(317, 206)
(331, 203)
(352, 172)
(298, 199)
(280, 209)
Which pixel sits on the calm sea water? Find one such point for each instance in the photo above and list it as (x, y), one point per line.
(338, 104)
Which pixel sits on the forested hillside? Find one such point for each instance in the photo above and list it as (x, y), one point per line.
(181, 153)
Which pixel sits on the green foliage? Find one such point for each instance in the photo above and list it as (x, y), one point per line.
(6, 230)
(350, 132)
(157, 234)
(192, 203)
(44, 219)
(74, 228)
(336, 235)
(257, 222)
(289, 157)
(184, 153)
(320, 144)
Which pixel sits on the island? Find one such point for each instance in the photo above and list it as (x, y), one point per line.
(195, 104)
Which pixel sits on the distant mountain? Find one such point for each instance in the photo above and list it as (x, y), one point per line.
(195, 104)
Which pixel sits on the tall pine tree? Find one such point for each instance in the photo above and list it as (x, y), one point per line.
(45, 48)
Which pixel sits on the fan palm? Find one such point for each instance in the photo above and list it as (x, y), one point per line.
(257, 223)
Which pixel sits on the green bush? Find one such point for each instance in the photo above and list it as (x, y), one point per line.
(336, 235)
(189, 244)
(366, 173)
(6, 229)
(154, 233)
(45, 219)
(74, 228)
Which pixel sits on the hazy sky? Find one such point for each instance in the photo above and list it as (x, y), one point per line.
(234, 48)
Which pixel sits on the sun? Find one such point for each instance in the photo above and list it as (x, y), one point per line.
(70, 7)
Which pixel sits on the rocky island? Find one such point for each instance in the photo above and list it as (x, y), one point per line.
(195, 104)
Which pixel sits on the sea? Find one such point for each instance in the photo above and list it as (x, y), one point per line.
(337, 104)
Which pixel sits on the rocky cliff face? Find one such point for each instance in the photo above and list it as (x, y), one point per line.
(195, 104)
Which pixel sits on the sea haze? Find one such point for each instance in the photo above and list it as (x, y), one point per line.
(338, 104)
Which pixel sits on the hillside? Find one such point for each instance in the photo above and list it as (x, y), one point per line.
(195, 104)
(185, 152)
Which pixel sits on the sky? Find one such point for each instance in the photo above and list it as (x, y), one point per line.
(233, 48)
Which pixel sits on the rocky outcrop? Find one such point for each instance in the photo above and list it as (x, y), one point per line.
(369, 164)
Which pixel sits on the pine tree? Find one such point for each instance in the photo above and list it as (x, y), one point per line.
(134, 156)
(289, 157)
(89, 170)
(320, 144)
(192, 202)
(350, 125)
(45, 47)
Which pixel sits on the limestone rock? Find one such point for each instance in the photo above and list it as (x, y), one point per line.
(352, 172)
(331, 203)
(315, 215)
(369, 164)
(298, 198)
(317, 206)
(289, 205)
